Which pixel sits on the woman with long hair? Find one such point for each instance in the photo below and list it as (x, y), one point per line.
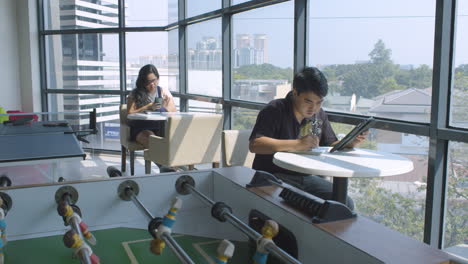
(148, 96)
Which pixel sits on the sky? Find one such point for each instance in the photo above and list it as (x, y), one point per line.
(340, 31)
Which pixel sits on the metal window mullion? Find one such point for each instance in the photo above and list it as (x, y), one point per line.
(437, 172)
(122, 53)
(250, 5)
(226, 65)
(300, 26)
(84, 91)
(42, 57)
(182, 57)
(453, 134)
(400, 126)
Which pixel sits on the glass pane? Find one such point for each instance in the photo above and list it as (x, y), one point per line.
(73, 14)
(235, 2)
(397, 202)
(150, 48)
(262, 57)
(107, 108)
(376, 55)
(173, 11)
(243, 118)
(198, 7)
(456, 229)
(459, 95)
(204, 54)
(204, 107)
(173, 68)
(150, 13)
(83, 61)
(177, 103)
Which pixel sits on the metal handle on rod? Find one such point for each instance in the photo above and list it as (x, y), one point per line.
(76, 227)
(281, 254)
(139, 204)
(178, 251)
(84, 258)
(128, 191)
(251, 233)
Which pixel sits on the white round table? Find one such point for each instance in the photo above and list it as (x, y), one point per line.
(161, 116)
(342, 165)
(154, 116)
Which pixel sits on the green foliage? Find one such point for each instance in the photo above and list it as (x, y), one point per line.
(244, 118)
(456, 220)
(263, 72)
(405, 212)
(380, 55)
(402, 213)
(376, 77)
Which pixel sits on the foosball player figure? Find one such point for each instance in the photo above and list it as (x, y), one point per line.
(269, 230)
(66, 211)
(157, 244)
(71, 239)
(225, 251)
(3, 241)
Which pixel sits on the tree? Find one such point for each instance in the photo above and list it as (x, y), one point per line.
(263, 72)
(405, 212)
(367, 79)
(388, 84)
(380, 55)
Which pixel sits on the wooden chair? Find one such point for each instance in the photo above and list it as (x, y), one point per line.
(127, 144)
(236, 148)
(189, 139)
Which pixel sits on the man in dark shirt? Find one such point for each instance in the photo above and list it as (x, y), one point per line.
(296, 123)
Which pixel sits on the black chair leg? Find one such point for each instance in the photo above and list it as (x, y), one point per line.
(132, 163)
(124, 158)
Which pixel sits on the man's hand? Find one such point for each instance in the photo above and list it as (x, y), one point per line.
(358, 140)
(308, 142)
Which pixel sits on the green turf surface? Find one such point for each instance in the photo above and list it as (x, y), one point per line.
(118, 245)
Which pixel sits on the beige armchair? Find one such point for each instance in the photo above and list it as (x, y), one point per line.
(236, 148)
(127, 144)
(188, 139)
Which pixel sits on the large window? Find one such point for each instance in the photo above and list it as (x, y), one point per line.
(150, 13)
(395, 201)
(243, 118)
(262, 54)
(197, 7)
(376, 55)
(147, 48)
(456, 219)
(204, 107)
(204, 54)
(80, 14)
(78, 107)
(83, 61)
(459, 98)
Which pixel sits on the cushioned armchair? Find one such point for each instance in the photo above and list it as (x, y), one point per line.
(127, 144)
(236, 148)
(188, 139)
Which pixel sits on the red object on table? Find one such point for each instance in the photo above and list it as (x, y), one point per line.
(14, 117)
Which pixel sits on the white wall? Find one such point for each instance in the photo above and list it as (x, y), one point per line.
(10, 96)
(19, 59)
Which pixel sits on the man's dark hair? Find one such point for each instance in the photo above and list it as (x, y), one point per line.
(310, 79)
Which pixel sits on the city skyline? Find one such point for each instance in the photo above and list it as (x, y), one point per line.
(336, 27)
